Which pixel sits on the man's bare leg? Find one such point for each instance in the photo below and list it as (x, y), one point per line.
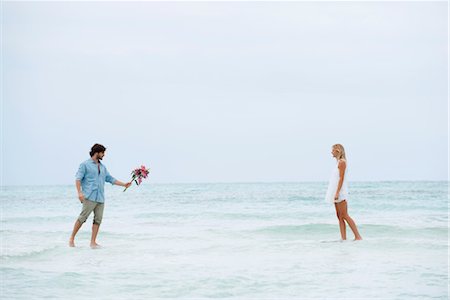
(76, 227)
(95, 228)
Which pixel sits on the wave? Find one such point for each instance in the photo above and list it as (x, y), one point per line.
(296, 229)
(33, 219)
(28, 254)
(372, 229)
(65, 233)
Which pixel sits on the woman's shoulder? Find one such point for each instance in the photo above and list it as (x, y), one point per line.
(342, 162)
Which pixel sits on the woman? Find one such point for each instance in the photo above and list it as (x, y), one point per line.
(338, 192)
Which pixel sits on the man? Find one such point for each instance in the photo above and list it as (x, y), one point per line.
(90, 182)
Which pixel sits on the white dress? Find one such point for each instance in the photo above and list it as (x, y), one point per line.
(333, 184)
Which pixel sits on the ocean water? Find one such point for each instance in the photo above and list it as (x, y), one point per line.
(233, 241)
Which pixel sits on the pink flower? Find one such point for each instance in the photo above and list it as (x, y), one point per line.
(138, 174)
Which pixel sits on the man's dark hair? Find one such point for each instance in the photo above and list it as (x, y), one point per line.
(96, 149)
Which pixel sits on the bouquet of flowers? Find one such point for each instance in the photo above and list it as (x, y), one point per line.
(138, 174)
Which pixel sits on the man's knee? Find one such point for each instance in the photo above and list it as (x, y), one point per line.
(98, 214)
(97, 220)
(82, 219)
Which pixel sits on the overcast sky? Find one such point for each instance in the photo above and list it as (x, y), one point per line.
(225, 92)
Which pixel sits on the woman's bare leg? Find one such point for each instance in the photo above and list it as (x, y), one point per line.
(341, 222)
(350, 221)
(352, 225)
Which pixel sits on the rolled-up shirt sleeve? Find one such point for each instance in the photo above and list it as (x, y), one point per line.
(109, 178)
(81, 172)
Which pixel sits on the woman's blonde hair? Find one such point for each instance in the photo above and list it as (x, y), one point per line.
(341, 150)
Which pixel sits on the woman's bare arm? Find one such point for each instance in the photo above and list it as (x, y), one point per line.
(341, 166)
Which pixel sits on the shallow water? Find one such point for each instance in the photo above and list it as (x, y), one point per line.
(240, 241)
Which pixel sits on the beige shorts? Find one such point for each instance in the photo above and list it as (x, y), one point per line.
(88, 207)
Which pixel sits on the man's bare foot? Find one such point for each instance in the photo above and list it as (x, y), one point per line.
(358, 239)
(95, 246)
(71, 243)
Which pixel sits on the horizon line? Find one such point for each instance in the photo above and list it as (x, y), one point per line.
(238, 182)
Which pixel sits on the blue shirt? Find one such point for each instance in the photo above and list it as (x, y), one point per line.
(93, 181)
